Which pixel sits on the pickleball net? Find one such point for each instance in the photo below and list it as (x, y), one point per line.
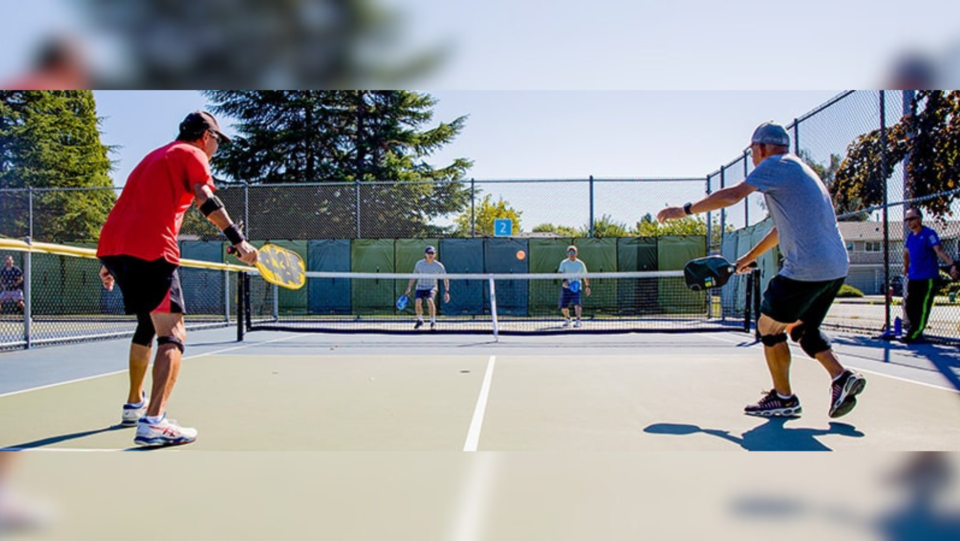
(643, 301)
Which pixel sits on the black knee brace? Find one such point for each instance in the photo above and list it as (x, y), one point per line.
(771, 340)
(811, 340)
(145, 331)
(171, 340)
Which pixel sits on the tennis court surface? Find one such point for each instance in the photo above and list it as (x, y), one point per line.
(430, 392)
(580, 437)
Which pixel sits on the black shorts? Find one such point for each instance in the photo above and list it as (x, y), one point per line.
(425, 293)
(787, 300)
(568, 297)
(147, 286)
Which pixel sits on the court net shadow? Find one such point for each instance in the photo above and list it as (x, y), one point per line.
(772, 435)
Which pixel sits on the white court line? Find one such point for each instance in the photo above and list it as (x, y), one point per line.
(796, 348)
(125, 370)
(473, 435)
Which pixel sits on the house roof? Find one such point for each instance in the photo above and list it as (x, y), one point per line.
(873, 231)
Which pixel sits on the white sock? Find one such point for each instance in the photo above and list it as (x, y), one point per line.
(433, 320)
(154, 420)
(784, 397)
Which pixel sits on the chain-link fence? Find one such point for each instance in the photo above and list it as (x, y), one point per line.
(583, 207)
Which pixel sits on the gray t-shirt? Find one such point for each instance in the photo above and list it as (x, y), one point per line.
(422, 267)
(796, 198)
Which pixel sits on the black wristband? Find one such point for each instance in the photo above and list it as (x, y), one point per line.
(233, 234)
(686, 209)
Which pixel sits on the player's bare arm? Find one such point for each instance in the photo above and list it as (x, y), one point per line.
(215, 212)
(717, 200)
(770, 240)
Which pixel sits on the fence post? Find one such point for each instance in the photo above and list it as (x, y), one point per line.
(886, 209)
(591, 206)
(30, 212)
(709, 222)
(246, 209)
(473, 201)
(226, 296)
(746, 200)
(908, 105)
(27, 295)
(796, 137)
(723, 211)
(356, 184)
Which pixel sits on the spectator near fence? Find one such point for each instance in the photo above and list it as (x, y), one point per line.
(11, 279)
(920, 266)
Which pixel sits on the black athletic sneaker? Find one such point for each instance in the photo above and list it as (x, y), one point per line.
(844, 391)
(433, 326)
(418, 324)
(771, 405)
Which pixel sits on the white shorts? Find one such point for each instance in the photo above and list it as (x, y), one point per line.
(12, 295)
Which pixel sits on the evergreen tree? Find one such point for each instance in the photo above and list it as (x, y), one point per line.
(51, 139)
(369, 147)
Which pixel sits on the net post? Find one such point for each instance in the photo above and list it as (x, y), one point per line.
(276, 302)
(493, 309)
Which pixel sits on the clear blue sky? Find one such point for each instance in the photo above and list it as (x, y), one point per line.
(539, 135)
(529, 134)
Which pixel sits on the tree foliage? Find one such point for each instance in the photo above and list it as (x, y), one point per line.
(485, 213)
(51, 139)
(375, 144)
(929, 142)
(828, 173)
(559, 230)
(606, 227)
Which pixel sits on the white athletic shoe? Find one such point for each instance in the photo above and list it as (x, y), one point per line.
(132, 412)
(576, 323)
(566, 323)
(166, 432)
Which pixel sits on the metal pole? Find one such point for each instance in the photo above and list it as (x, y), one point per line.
(591, 206)
(908, 105)
(886, 209)
(723, 211)
(27, 295)
(241, 306)
(473, 215)
(246, 210)
(30, 212)
(226, 296)
(709, 221)
(357, 189)
(796, 137)
(746, 200)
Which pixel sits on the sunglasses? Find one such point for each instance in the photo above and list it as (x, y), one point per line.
(216, 136)
(571, 251)
(911, 218)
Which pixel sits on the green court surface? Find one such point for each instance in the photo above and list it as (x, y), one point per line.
(577, 437)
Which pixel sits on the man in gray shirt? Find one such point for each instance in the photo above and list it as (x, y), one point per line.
(427, 287)
(815, 265)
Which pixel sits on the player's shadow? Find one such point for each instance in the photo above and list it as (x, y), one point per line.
(769, 436)
(53, 440)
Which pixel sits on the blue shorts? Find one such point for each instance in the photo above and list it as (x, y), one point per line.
(426, 293)
(568, 297)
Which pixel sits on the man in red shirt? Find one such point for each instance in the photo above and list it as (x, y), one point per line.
(139, 251)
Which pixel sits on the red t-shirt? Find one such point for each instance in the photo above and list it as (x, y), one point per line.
(146, 219)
